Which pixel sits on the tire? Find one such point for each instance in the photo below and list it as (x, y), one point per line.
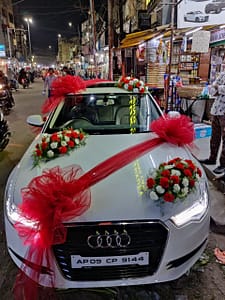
(218, 10)
(185, 19)
(4, 142)
(197, 20)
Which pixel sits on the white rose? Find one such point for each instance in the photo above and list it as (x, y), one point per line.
(77, 141)
(50, 153)
(167, 167)
(135, 80)
(176, 172)
(185, 182)
(125, 86)
(66, 138)
(64, 143)
(176, 188)
(141, 82)
(185, 191)
(153, 196)
(160, 189)
(136, 90)
(54, 145)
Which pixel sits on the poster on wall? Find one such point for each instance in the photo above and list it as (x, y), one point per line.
(196, 13)
(200, 41)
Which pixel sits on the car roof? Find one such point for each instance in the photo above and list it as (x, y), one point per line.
(103, 90)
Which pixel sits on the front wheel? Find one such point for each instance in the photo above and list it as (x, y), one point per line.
(4, 141)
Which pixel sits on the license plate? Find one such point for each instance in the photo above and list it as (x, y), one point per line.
(78, 261)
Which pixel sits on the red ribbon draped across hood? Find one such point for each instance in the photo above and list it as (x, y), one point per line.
(61, 194)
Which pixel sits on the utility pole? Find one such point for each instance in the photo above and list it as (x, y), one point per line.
(110, 37)
(93, 24)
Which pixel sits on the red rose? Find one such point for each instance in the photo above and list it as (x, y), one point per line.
(38, 152)
(141, 90)
(130, 87)
(175, 179)
(191, 183)
(55, 138)
(179, 166)
(81, 136)
(187, 173)
(71, 144)
(168, 197)
(165, 173)
(138, 84)
(44, 145)
(164, 182)
(74, 134)
(150, 183)
(199, 172)
(62, 149)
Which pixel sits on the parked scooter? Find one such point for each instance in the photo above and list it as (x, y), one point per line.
(4, 132)
(6, 99)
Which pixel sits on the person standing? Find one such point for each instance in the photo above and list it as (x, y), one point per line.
(217, 89)
(48, 81)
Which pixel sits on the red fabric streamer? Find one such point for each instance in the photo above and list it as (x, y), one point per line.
(61, 194)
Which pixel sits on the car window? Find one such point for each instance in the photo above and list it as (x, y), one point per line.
(104, 113)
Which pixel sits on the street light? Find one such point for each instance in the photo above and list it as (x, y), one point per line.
(28, 21)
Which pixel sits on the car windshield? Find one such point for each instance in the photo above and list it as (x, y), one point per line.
(105, 113)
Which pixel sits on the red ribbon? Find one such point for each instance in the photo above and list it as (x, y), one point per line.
(61, 194)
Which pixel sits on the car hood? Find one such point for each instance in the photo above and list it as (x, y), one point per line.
(120, 196)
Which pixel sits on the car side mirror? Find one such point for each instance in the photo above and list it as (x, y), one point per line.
(35, 120)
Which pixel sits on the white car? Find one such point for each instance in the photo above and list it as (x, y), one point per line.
(123, 236)
(196, 16)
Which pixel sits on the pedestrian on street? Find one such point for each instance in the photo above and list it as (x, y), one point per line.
(48, 81)
(217, 89)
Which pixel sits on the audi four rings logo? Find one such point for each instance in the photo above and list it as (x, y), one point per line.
(109, 240)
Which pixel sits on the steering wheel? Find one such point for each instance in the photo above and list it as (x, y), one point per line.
(74, 122)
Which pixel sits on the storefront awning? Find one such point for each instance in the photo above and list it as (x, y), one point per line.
(136, 38)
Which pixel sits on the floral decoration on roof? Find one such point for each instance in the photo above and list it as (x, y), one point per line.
(132, 84)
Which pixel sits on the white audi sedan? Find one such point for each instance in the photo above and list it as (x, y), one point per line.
(116, 225)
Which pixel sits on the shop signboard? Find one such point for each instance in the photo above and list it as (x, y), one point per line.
(2, 50)
(143, 20)
(217, 36)
(196, 13)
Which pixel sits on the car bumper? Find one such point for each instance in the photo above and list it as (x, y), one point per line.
(181, 249)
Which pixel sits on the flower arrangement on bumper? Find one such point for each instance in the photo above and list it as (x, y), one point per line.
(58, 143)
(132, 84)
(172, 180)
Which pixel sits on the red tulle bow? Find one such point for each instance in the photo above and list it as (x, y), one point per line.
(65, 85)
(61, 194)
(61, 87)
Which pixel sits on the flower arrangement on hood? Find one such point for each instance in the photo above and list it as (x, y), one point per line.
(132, 84)
(174, 179)
(58, 143)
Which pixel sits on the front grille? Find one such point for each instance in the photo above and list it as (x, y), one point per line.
(145, 236)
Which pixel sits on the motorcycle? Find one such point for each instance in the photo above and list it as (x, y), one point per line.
(4, 132)
(6, 99)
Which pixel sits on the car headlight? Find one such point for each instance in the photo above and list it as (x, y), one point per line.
(197, 210)
(12, 212)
